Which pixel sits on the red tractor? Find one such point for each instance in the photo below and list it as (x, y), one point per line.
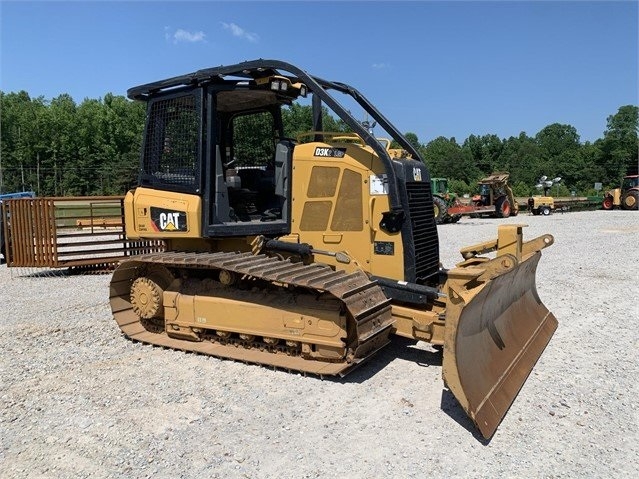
(626, 197)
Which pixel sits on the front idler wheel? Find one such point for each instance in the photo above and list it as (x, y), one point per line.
(147, 293)
(146, 298)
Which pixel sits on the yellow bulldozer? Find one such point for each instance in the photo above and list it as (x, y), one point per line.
(309, 254)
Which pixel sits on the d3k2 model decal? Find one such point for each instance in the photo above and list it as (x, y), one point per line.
(168, 220)
(329, 152)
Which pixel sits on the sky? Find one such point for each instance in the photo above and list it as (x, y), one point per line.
(435, 69)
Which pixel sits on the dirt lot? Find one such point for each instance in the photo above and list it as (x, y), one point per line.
(79, 400)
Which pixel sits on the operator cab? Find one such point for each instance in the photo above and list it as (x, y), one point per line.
(485, 194)
(224, 141)
(629, 182)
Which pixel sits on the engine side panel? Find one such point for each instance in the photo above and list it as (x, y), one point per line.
(162, 214)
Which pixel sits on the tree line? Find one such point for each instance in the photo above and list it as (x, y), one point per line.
(555, 151)
(61, 148)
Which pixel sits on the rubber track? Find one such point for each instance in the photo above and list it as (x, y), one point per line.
(364, 300)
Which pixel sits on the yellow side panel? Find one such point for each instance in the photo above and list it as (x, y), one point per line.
(388, 266)
(161, 214)
(348, 207)
(315, 215)
(323, 182)
(385, 265)
(334, 210)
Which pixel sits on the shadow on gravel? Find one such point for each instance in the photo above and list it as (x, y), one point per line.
(27, 272)
(399, 348)
(451, 407)
(24, 273)
(404, 349)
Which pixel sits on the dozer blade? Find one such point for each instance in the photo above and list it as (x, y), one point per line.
(496, 329)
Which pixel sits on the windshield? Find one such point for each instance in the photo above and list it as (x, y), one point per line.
(441, 187)
(630, 183)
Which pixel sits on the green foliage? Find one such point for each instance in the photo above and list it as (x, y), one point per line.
(620, 146)
(413, 140)
(59, 148)
(460, 187)
(485, 151)
(299, 119)
(446, 158)
(522, 189)
(253, 139)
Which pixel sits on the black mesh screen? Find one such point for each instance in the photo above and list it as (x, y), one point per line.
(420, 210)
(172, 140)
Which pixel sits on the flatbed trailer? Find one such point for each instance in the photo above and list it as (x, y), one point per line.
(569, 203)
(461, 209)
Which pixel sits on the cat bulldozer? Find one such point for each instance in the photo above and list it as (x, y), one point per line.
(309, 254)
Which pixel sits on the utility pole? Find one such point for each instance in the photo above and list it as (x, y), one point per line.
(1, 186)
(38, 171)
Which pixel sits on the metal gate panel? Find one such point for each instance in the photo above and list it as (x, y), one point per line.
(69, 232)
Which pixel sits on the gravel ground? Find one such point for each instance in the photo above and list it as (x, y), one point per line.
(79, 400)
